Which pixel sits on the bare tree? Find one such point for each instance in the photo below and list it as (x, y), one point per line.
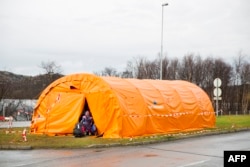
(245, 73)
(145, 69)
(223, 71)
(237, 82)
(245, 78)
(186, 70)
(140, 67)
(241, 81)
(198, 71)
(165, 68)
(173, 69)
(129, 71)
(208, 77)
(11, 109)
(51, 67)
(109, 71)
(52, 71)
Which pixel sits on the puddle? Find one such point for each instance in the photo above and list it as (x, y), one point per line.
(150, 155)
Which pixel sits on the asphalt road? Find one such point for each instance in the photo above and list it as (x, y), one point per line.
(193, 152)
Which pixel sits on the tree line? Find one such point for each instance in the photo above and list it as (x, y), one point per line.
(235, 76)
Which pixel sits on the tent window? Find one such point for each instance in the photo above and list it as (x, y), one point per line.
(75, 85)
(72, 87)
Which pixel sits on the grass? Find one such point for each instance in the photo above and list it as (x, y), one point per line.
(239, 121)
(13, 137)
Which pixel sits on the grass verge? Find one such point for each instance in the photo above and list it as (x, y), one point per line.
(12, 138)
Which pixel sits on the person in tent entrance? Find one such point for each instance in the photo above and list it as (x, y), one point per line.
(88, 123)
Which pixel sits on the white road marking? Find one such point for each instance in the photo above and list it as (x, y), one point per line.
(194, 163)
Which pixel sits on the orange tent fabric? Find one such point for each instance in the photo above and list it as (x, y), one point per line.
(122, 107)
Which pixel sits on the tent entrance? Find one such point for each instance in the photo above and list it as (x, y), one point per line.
(90, 124)
(84, 109)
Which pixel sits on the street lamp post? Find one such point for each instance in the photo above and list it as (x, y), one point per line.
(165, 4)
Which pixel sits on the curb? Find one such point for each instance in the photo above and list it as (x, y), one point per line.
(14, 147)
(161, 140)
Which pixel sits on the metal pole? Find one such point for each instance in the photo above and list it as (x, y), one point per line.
(217, 103)
(162, 40)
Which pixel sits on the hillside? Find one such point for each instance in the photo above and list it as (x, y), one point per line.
(14, 86)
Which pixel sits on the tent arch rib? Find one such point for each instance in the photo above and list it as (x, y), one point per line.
(141, 96)
(144, 115)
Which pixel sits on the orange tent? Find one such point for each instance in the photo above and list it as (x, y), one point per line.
(122, 107)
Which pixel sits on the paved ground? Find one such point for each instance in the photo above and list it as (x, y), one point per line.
(193, 152)
(6, 124)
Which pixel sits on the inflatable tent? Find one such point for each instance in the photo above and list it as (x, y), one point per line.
(122, 107)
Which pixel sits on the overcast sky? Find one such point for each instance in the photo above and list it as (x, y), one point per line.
(87, 36)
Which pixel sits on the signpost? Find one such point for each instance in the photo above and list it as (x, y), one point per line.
(217, 92)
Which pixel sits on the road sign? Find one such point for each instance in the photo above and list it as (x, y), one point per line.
(217, 92)
(217, 98)
(217, 82)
